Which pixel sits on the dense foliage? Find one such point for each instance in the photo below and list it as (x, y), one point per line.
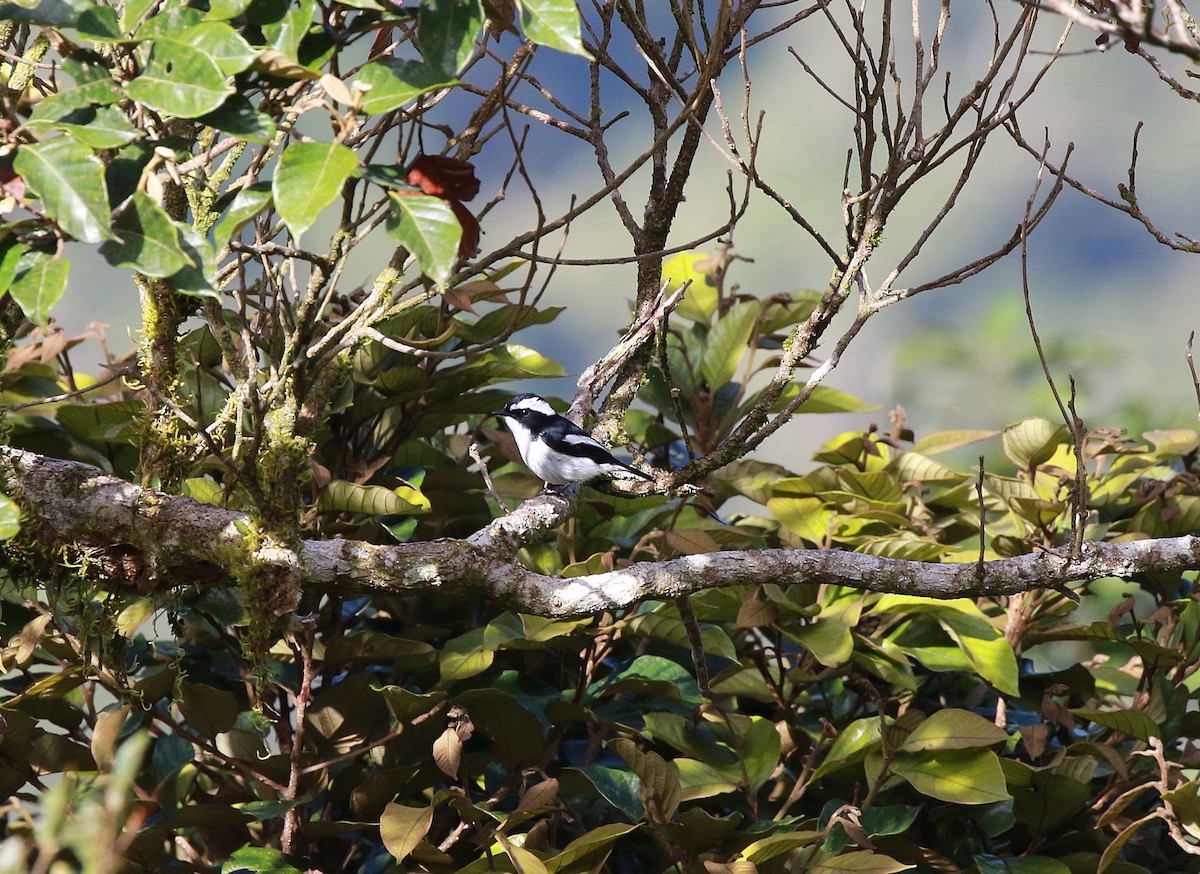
(160, 716)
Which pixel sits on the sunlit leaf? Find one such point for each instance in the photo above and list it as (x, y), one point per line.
(69, 179)
(308, 178)
(554, 24)
(180, 80)
(146, 240)
(428, 228)
(402, 828)
(394, 82)
(959, 776)
(953, 729)
(38, 283)
(1031, 442)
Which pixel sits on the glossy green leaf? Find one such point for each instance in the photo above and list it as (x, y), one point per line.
(256, 860)
(222, 44)
(97, 127)
(247, 204)
(180, 80)
(446, 31)
(402, 828)
(953, 729)
(959, 776)
(69, 179)
(1134, 723)
(990, 654)
(851, 746)
(428, 228)
(394, 82)
(776, 845)
(198, 279)
(554, 24)
(618, 786)
(91, 19)
(308, 178)
(701, 780)
(589, 851)
(39, 280)
(146, 240)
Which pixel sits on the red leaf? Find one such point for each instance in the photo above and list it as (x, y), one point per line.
(443, 176)
(470, 229)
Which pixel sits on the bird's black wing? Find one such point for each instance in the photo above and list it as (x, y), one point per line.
(582, 443)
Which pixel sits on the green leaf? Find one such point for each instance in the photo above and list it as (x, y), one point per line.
(199, 278)
(238, 116)
(147, 240)
(828, 640)
(10, 518)
(952, 729)
(990, 654)
(701, 780)
(589, 851)
(859, 862)
(824, 399)
(345, 497)
(38, 283)
(700, 300)
(180, 80)
(760, 747)
(776, 845)
(1020, 865)
(944, 441)
(97, 127)
(91, 19)
(395, 82)
(308, 178)
(851, 746)
(1031, 442)
(960, 776)
(402, 828)
(727, 341)
(618, 786)
(553, 23)
(465, 656)
(1134, 723)
(247, 203)
(446, 31)
(207, 710)
(257, 860)
(222, 44)
(427, 227)
(69, 179)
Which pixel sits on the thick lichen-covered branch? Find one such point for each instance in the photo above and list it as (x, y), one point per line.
(67, 503)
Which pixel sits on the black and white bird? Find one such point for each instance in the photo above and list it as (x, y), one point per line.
(555, 448)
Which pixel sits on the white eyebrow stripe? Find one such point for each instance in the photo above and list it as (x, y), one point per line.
(536, 404)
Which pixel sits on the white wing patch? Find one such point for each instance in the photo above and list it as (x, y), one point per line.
(582, 439)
